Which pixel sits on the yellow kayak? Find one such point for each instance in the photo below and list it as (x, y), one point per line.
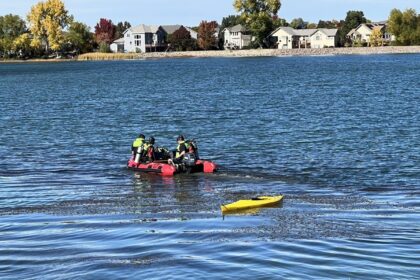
(261, 201)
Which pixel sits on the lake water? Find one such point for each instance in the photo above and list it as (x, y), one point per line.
(338, 136)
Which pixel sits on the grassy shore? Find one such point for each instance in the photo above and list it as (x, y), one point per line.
(109, 56)
(33, 60)
(253, 53)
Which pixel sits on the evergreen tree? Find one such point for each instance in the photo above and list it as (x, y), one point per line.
(353, 19)
(298, 23)
(120, 28)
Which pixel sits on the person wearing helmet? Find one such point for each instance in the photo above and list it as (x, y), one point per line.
(137, 147)
(148, 148)
(181, 150)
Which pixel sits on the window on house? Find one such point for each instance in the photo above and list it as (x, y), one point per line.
(137, 40)
(318, 38)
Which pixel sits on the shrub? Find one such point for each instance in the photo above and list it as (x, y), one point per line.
(104, 48)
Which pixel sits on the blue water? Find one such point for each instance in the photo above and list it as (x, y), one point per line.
(338, 136)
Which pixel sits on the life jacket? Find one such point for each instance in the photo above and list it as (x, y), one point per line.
(147, 150)
(138, 142)
(191, 146)
(178, 152)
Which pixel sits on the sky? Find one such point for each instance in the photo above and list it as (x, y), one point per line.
(191, 12)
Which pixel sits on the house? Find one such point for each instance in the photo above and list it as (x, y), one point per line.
(236, 37)
(144, 38)
(361, 34)
(352, 34)
(169, 29)
(117, 45)
(282, 37)
(289, 38)
(324, 38)
(147, 38)
(304, 37)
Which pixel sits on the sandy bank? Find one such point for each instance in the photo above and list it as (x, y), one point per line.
(236, 53)
(255, 53)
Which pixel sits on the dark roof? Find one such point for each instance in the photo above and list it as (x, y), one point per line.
(171, 28)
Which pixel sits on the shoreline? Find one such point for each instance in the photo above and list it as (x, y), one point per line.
(254, 53)
(36, 60)
(233, 53)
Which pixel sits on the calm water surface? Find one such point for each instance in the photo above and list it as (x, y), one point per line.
(339, 136)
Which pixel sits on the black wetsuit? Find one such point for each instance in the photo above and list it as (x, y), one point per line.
(181, 148)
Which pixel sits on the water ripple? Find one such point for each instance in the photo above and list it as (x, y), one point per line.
(325, 131)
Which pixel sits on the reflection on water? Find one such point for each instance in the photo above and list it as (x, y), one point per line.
(249, 211)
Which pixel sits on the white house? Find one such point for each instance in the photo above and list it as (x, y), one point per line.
(144, 38)
(363, 32)
(236, 37)
(324, 38)
(117, 45)
(147, 38)
(283, 37)
(289, 38)
(303, 37)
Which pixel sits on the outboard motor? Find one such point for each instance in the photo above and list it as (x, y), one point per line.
(189, 159)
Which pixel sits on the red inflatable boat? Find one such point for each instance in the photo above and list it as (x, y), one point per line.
(166, 169)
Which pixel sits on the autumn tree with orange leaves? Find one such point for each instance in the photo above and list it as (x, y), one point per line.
(207, 38)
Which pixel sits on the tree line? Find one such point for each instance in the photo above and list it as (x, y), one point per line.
(49, 29)
(260, 17)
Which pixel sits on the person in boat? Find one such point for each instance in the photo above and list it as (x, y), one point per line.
(180, 151)
(137, 148)
(192, 147)
(149, 150)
